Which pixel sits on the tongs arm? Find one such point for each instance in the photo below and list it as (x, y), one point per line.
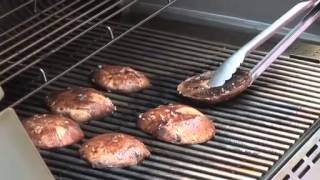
(229, 67)
(306, 22)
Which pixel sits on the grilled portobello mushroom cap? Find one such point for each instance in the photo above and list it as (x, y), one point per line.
(114, 150)
(49, 131)
(121, 79)
(178, 124)
(80, 104)
(196, 87)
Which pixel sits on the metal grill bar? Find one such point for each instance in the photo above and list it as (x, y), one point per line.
(137, 41)
(146, 46)
(14, 28)
(284, 140)
(123, 52)
(140, 133)
(275, 87)
(221, 56)
(221, 47)
(64, 44)
(224, 53)
(250, 158)
(16, 9)
(86, 58)
(51, 25)
(253, 132)
(180, 150)
(293, 74)
(29, 36)
(85, 42)
(57, 30)
(275, 120)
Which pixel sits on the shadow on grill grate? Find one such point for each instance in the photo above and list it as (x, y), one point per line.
(253, 131)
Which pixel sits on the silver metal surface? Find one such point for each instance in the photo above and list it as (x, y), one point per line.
(282, 46)
(19, 158)
(110, 32)
(56, 30)
(22, 52)
(43, 74)
(12, 29)
(34, 25)
(16, 9)
(140, 23)
(35, 7)
(1, 93)
(230, 66)
(305, 164)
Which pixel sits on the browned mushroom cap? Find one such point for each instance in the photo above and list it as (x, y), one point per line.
(120, 79)
(80, 104)
(196, 88)
(114, 150)
(52, 131)
(179, 124)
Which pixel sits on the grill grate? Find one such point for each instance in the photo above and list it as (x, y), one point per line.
(27, 44)
(52, 29)
(16, 9)
(253, 131)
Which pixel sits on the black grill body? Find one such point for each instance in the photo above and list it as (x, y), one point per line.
(257, 132)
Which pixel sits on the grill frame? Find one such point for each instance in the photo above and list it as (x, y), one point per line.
(300, 150)
(220, 57)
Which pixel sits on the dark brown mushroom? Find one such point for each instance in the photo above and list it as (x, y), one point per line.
(122, 79)
(196, 87)
(80, 104)
(176, 123)
(114, 150)
(52, 131)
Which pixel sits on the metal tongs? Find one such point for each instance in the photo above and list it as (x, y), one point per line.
(230, 66)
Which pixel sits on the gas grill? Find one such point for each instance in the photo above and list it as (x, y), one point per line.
(271, 131)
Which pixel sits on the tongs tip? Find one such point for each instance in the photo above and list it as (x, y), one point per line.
(226, 70)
